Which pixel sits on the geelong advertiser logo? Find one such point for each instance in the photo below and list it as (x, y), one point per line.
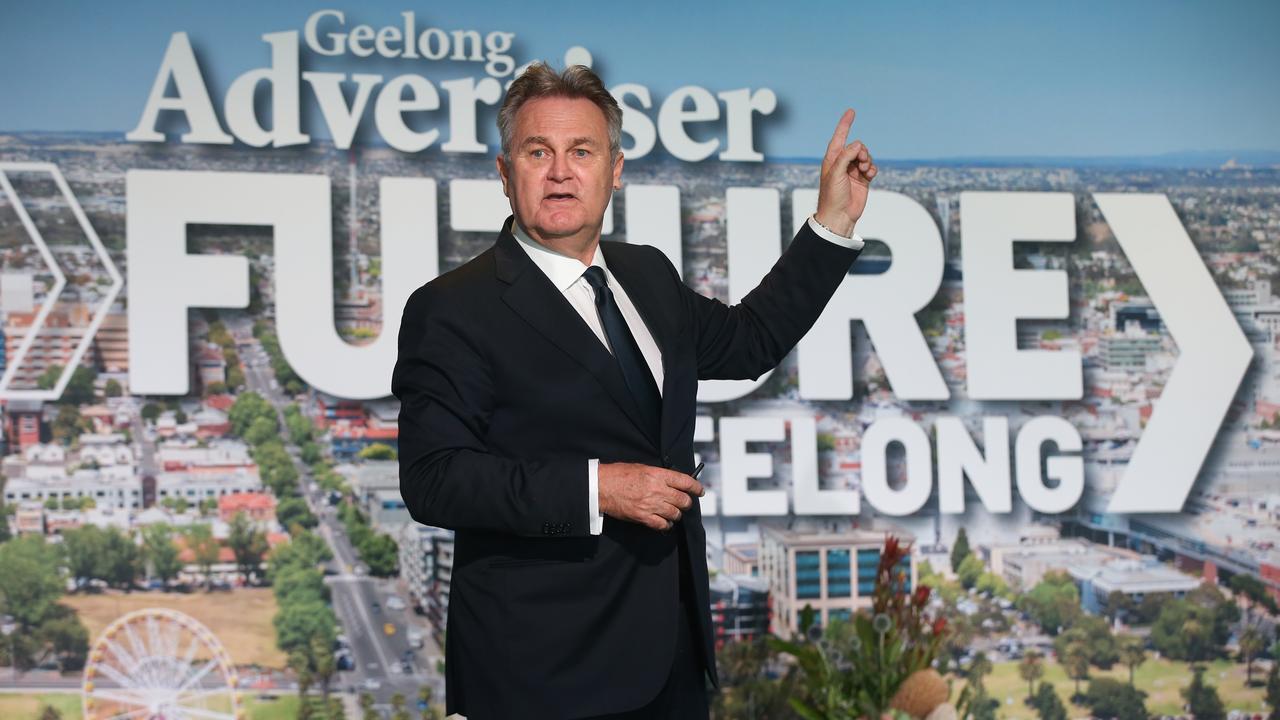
(1043, 458)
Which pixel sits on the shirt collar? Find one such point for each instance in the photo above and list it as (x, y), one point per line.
(561, 269)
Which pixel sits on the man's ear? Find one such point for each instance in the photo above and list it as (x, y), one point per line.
(502, 173)
(617, 172)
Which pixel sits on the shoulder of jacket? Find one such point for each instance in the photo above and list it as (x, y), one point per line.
(456, 285)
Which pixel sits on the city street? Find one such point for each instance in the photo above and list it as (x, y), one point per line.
(359, 601)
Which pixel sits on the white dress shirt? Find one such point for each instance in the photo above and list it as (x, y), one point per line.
(565, 273)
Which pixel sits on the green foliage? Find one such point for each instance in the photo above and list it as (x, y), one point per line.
(310, 453)
(1202, 699)
(150, 411)
(294, 511)
(854, 667)
(79, 389)
(294, 584)
(304, 550)
(297, 623)
(1273, 692)
(1250, 643)
(382, 555)
(248, 407)
(1095, 634)
(205, 547)
(971, 568)
(30, 587)
(29, 580)
(1053, 603)
(1133, 652)
(284, 373)
(160, 552)
(993, 585)
(377, 451)
(1047, 703)
(1187, 630)
(301, 430)
(305, 623)
(249, 545)
(113, 388)
(1031, 669)
(62, 634)
(262, 429)
(110, 555)
(68, 424)
(746, 692)
(1113, 700)
(959, 550)
(1253, 589)
(1076, 662)
(379, 552)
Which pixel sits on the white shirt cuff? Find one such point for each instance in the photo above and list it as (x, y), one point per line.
(595, 520)
(854, 242)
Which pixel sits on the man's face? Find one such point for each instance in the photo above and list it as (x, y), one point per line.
(560, 176)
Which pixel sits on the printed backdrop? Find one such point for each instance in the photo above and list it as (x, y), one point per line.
(1063, 329)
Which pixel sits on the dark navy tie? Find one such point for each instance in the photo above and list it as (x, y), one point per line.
(634, 369)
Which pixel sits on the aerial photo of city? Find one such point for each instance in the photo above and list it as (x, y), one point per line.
(244, 550)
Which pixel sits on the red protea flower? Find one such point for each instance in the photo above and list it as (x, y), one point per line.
(891, 555)
(939, 625)
(921, 596)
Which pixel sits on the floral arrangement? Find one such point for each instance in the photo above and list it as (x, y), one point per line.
(877, 663)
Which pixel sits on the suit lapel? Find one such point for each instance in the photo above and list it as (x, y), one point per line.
(532, 296)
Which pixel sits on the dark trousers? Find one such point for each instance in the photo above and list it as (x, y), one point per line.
(684, 696)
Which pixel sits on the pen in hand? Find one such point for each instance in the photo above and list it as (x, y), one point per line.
(695, 477)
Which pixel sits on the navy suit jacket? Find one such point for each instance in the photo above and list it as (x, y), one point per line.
(505, 393)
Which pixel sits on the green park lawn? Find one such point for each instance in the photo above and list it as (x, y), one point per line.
(15, 706)
(1160, 679)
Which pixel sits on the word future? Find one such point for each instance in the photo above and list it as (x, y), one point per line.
(164, 281)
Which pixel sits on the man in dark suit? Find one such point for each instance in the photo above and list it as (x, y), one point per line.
(547, 393)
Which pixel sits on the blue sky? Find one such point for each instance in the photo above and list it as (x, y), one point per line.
(929, 79)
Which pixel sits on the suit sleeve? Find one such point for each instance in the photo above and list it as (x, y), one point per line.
(448, 478)
(746, 340)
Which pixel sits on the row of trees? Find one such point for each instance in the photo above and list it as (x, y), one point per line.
(379, 551)
(1195, 628)
(284, 373)
(119, 558)
(305, 624)
(31, 586)
(219, 335)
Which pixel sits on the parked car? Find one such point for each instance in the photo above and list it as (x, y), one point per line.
(395, 603)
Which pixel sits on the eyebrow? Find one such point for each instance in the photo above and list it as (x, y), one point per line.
(540, 140)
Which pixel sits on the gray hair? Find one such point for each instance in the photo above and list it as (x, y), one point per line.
(577, 81)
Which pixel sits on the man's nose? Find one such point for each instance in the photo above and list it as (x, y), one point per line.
(560, 167)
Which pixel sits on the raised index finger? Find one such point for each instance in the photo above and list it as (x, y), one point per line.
(841, 133)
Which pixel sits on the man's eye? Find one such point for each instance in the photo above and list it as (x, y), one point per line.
(538, 153)
(581, 152)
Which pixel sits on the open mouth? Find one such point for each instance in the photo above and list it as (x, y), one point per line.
(559, 197)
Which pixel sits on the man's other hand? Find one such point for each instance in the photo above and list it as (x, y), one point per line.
(847, 171)
(651, 496)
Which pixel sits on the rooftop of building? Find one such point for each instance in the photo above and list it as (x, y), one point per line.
(1134, 576)
(817, 536)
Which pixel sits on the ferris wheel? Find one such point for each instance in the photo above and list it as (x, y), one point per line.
(159, 664)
